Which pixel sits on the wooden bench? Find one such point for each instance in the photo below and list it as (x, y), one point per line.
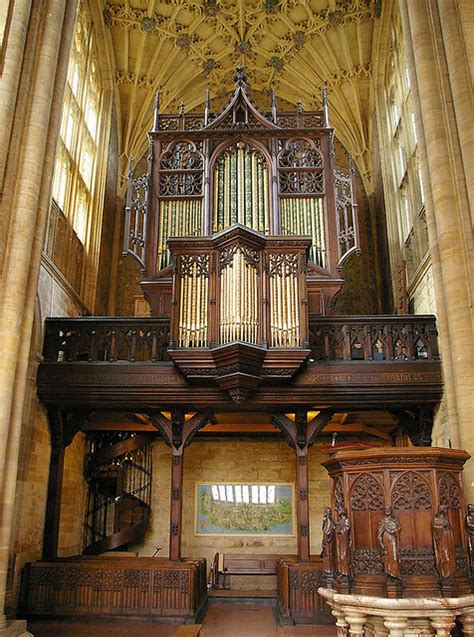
(245, 564)
(190, 630)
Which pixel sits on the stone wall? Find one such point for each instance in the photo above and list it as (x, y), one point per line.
(231, 461)
(73, 498)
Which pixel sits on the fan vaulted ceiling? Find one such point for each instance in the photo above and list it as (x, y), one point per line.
(184, 48)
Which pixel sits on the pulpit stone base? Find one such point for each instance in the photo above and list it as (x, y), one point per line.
(366, 616)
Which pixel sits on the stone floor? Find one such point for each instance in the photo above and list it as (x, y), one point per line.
(222, 620)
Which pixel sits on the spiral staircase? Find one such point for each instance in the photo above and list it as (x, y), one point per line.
(119, 475)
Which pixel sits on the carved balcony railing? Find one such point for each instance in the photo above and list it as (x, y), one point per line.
(127, 362)
(106, 340)
(373, 338)
(343, 338)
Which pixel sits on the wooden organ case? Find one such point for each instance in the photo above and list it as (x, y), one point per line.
(241, 226)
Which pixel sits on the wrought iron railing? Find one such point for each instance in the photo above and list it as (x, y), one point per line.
(373, 338)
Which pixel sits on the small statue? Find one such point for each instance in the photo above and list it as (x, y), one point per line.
(469, 526)
(327, 552)
(443, 539)
(388, 537)
(343, 543)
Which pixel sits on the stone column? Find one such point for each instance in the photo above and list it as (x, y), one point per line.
(30, 182)
(467, 621)
(377, 626)
(341, 624)
(443, 625)
(356, 623)
(441, 125)
(10, 77)
(396, 626)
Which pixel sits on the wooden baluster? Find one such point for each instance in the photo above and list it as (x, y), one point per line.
(133, 346)
(154, 344)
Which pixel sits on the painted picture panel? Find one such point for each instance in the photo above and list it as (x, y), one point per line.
(231, 508)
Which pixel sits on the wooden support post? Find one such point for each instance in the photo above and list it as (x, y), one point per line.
(63, 427)
(176, 507)
(300, 435)
(302, 506)
(53, 504)
(177, 432)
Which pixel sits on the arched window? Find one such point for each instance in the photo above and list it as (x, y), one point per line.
(77, 188)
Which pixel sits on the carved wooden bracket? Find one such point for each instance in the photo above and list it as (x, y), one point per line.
(301, 434)
(417, 424)
(177, 431)
(64, 425)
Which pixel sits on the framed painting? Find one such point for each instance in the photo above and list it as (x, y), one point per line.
(236, 508)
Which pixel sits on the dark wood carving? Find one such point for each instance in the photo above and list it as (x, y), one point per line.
(443, 540)
(144, 588)
(343, 544)
(298, 599)
(469, 527)
(300, 435)
(177, 431)
(388, 536)
(405, 509)
(328, 543)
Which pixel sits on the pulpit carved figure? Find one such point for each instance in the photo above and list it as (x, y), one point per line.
(443, 540)
(388, 537)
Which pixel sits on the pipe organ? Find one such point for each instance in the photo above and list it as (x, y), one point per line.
(241, 224)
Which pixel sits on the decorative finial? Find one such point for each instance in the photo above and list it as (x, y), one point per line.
(299, 107)
(130, 167)
(156, 111)
(351, 164)
(325, 107)
(334, 438)
(181, 109)
(240, 77)
(207, 107)
(274, 107)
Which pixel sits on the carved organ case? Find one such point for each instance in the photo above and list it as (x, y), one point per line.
(242, 223)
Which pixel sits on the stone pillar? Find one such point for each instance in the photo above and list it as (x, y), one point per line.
(396, 626)
(377, 626)
(441, 109)
(356, 623)
(28, 197)
(467, 621)
(10, 77)
(444, 624)
(341, 624)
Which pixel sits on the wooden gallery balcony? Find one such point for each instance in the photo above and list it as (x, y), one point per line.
(350, 361)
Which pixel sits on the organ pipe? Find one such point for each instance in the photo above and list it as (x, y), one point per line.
(241, 192)
(178, 218)
(305, 216)
(285, 316)
(238, 318)
(193, 308)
